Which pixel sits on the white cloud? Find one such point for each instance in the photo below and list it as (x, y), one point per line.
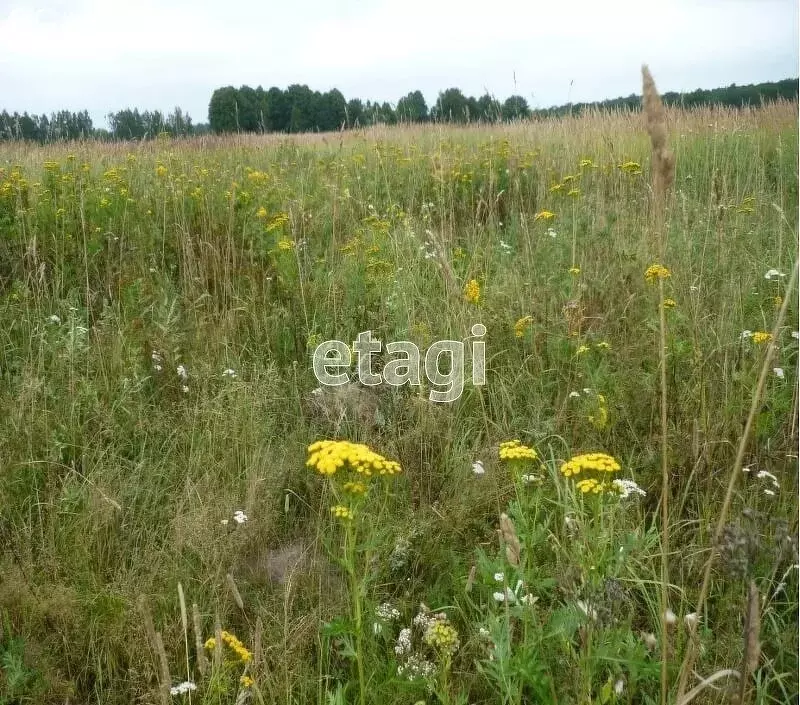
(107, 55)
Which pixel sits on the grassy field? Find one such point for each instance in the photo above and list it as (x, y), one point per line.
(159, 304)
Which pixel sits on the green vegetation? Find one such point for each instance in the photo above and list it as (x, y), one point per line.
(159, 523)
(299, 109)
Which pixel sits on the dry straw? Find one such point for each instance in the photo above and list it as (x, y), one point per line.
(157, 645)
(663, 169)
(752, 645)
(509, 538)
(202, 661)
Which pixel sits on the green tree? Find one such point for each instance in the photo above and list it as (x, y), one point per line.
(452, 106)
(515, 108)
(278, 110)
(488, 109)
(412, 108)
(355, 113)
(222, 110)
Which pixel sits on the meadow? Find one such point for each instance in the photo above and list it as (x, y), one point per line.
(186, 515)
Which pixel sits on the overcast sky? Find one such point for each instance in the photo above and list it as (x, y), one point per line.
(103, 55)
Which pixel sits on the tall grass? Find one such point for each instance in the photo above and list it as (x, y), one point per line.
(121, 263)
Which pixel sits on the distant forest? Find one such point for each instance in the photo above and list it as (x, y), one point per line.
(299, 109)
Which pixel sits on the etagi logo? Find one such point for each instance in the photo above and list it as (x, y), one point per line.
(334, 355)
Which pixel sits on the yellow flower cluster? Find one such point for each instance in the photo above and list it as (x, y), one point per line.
(236, 646)
(278, 221)
(521, 325)
(656, 271)
(630, 167)
(329, 456)
(599, 419)
(354, 487)
(514, 450)
(600, 462)
(442, 636)
(669, 303)
(575, 270)
(246, 681)
(342, 512)
(473, 291)
(761, 337)
(544, 215)
(285, 244)
(593, 486)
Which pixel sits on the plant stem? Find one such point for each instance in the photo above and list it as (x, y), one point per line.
(355, 593)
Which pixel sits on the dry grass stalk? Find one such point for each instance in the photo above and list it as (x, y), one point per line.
(755, 404)
(443, 261)
(237, 598)
(691, 695)
(663, 165)
(752, 645)
(257, 643)
(157, 645)
(202, 661)
(471, 579)
(656, 121)
(218, 642)
(509, 538)
(166, 678)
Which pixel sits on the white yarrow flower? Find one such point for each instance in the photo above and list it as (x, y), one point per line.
(628, 487)
(774, 274)
(477, 468)
(55, 319)
(619, 686)
(182, 373)
(779, 373)
(229, 373)
(239, 516)
(746, 334)
(182, 688)
(574, 395)
(499, 577)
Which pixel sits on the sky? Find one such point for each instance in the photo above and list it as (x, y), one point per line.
(105, 55)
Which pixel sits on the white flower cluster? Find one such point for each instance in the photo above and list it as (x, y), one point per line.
(398, 558)
(626, 488)
(512, 596)
(403, 645)
(386, 612)
(182, 688)
(157, 360)
(415, 667)
(410, 647)
(183, 375)
(238, 516)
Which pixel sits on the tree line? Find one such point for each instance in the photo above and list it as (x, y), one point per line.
(299, 109)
